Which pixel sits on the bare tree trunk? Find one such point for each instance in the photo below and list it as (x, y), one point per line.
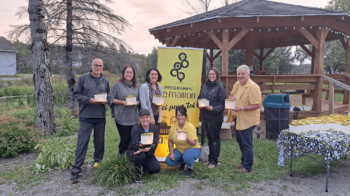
(69, 63)
(41, 69)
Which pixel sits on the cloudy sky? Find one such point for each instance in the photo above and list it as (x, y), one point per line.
(141, 14)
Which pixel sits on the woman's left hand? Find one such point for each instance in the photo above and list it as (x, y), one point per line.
(210, 108)
(137, 103)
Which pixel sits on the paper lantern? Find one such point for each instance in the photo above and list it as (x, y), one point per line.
(158, 100)
(181, 134)
(230, 103)
(131, 100)
(203, 102)
(101, 97)
(147, 138)
(226, 125)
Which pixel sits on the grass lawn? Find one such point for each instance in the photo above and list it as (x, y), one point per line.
(223, 177)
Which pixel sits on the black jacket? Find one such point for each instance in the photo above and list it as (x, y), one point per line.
(215, 93)
(136, 132)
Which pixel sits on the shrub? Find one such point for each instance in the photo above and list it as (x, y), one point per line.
(16, 137)
(28, 115)
(49, 159)
(67, 124)
(114, 171)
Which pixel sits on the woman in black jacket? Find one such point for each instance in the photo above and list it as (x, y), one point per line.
(143, 154)
(212, 115)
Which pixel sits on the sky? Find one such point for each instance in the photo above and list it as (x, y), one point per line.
(141, 14)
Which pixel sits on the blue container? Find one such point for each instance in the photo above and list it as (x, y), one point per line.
(277, 101)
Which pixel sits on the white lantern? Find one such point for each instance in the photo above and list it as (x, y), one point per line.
(101, 97)
(203, 102)
(181, 134)
(230, 103)
(226, 125)
(147, 138)
(158, 100)
(131, 100)
(293, 128)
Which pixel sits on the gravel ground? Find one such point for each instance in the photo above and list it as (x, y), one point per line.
(57, 183)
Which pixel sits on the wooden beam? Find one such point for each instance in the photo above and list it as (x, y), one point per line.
(260, 38)
(261, 59)
(215, 39)
(347, 70)
(274, 34)
(256, 55)
(168, 42)
(302, 18)
(257, 19)
(173, 43)
(309, 37)
(238, 37)
(217, 54)
(331, 98)
(343, 42)
(268, 53)
(249, 49)
(306, 50)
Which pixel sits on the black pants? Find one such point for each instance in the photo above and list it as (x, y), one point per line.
(147, 160)
(212, 129)
(125, 137)
(83, 142)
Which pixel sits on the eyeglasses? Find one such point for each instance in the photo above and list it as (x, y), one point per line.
(181, 115)
(129, 72)
(98, 65)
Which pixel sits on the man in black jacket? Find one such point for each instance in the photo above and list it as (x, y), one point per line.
(92, 115)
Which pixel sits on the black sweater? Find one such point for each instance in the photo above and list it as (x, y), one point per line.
(136, 132)
(215, 93)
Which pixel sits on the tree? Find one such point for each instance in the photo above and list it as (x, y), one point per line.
(81, 28)
(194, 7)
(41, 68)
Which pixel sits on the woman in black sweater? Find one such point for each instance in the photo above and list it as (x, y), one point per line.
(143, 154)
(212, 115)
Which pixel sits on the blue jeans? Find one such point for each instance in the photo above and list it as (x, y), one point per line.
(212, 128)
(245, 140)
(188, 157)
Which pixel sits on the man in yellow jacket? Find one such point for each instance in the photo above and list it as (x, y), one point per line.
(248, 102)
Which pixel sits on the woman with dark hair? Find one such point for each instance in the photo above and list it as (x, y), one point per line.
(187, 149)
(125, 115)
(143, 154)
(148, 90)
(212, 115)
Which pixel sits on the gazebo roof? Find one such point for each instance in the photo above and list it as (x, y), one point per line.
(254, 8)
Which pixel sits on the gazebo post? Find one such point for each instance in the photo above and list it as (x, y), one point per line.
(249, 49)
(211, 60)
(318, 63)
(347, 70)
(168, 42)
(225, 52)
(261, 59)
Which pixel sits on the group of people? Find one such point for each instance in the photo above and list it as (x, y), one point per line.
(144, 117)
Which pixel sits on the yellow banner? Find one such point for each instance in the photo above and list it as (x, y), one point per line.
(181, 70)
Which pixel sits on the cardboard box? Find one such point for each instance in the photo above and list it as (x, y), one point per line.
(260, 131)
(232, 127)
(225, 134)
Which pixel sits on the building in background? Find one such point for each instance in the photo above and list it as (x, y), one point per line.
(7, 57)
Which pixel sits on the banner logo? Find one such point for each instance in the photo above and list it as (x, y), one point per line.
(179, 65)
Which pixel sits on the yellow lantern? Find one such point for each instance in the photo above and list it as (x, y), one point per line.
(147, 138)
(158, 100)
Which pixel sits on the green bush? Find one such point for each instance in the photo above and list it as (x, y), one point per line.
(28, 114)
(16, 137)
(49, 159)
(67, 124)
(114, 171)
(16, 91)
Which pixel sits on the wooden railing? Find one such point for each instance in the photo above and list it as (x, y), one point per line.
(341, 78)
(333, 82)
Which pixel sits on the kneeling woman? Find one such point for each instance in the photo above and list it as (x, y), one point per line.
(186, 150)
(143, 154)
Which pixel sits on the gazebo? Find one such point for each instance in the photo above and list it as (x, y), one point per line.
(261, 24)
